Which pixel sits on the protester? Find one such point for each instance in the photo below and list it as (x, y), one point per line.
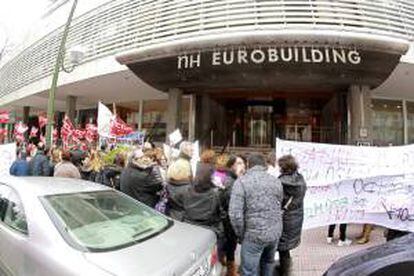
(39, 164)
(66, 168)
(365, 235)
(141, 179)
(179, 177)
(342, 235)
(256, 216)
(208, 156)
(92, 166)
(294, 189)
(235, 168)
(271, 164)
(221, 171)
(201, 202)
(20, 167)
(55, 158)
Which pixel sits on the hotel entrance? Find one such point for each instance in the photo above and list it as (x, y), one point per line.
(257, 122)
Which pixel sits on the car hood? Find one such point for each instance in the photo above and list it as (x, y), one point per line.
(177, 250)
(371, 260)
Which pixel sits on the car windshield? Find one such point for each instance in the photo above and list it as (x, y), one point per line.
(103, 220)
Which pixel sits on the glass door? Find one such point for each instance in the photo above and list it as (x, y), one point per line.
(259, 126)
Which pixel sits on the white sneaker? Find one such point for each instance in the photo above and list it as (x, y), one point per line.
(329, 240)
(346, 242)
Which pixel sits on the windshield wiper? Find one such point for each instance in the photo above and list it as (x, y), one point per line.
(142, 232)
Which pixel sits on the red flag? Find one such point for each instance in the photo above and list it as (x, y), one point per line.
(119, 127)
(20, 128)
(33, 132)
(55, 135)
(91, 133)
(67, 129)
(4, 117)
(42, 121)
(78, 134)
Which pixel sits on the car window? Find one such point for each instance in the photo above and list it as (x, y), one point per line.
(103, 220)
(11, 209)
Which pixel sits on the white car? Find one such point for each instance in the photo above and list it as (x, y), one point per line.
(55, 226)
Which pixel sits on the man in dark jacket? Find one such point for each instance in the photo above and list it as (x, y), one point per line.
(256, 215)
(39, 165)
(141, 179)
(20, 167)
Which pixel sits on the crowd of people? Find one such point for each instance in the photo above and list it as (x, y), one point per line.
(243, 199)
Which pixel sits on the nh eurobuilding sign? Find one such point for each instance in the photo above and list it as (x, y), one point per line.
(270, 55)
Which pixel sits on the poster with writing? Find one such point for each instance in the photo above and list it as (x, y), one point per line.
(324, 164)
(382, 200)
(354, 184)
(7, 157)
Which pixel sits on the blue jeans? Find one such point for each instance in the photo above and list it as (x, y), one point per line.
(257, 258)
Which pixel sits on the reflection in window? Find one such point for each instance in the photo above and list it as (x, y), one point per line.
(387, 122)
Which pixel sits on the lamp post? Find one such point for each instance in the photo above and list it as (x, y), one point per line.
(58, 66)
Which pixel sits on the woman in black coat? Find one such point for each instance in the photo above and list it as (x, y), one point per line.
(141, 179)
(202, 203)
(294, 189)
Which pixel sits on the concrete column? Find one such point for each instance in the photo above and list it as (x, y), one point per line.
(71, 107)
(141, 114)
(360, 114)
(174, 110)
(192, 118)
(26, 114)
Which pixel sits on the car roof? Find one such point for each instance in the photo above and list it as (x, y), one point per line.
(41, 186)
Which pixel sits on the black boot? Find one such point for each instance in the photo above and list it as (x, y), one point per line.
(285, 267)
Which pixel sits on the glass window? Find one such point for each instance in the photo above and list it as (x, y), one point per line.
(154, 120)
(387, 122)
(11, 210)
(103, 220)
(410, 122)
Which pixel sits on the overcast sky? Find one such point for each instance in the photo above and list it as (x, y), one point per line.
(17, 15)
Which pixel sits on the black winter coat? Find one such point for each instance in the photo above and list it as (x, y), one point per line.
(294, 189)
(175, 208)
(142, 184)
(203, 209)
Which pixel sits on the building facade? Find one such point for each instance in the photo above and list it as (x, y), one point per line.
(235, 73)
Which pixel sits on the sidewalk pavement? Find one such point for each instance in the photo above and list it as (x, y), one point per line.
(314, 256)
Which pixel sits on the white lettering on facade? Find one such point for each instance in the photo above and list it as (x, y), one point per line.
(339, 55)
(257, 56)
(228, 57)
(271, 55)
(283, 54)
(195, 61)
(327, 56)
(354, 57)
(305, 57)
(296, 51)
(181, 60)
(216, 59)
(242, 56)
(317, 56)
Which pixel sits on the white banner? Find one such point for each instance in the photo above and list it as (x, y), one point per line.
(104, 120)
(383, 200)
(324, 164)
(7, 157)
(351, 184)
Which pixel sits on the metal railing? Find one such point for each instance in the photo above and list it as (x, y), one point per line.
(123, 25)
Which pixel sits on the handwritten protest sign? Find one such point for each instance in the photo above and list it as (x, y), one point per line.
(7, 157)
(324, 164)
(351, 184)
